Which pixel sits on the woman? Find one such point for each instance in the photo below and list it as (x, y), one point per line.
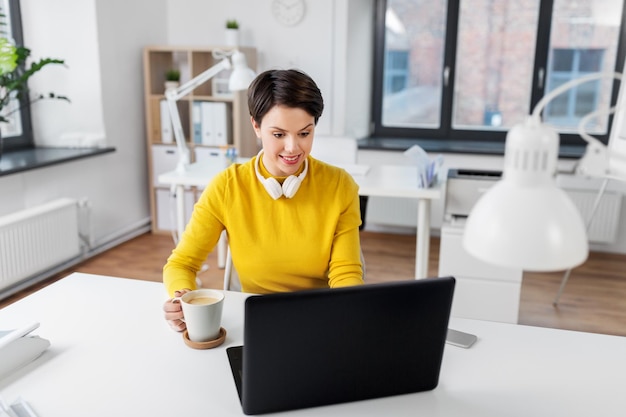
(292, 221)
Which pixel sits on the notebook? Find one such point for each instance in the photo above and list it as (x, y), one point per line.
(310, 348)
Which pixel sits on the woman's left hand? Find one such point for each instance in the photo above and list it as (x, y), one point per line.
(174, 312)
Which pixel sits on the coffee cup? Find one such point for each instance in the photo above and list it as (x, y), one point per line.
(203, 314)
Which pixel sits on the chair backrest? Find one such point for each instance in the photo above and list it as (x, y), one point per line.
(336, 150)
(231, 278)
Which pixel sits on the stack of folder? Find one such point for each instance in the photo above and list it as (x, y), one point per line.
(210, 123)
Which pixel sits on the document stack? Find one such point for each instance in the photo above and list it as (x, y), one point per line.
(18, 348)
(427, 169)
(19, 408)
(210, 123)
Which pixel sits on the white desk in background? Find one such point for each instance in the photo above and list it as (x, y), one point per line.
(112, 354)
(378, 181)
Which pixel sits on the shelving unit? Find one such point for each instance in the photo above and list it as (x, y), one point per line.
(162, 151)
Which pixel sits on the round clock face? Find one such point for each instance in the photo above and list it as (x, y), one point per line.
(288, 12)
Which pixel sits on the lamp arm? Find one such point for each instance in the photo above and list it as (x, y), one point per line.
(183, 151)
(173, 95)
(564, 87)
(595, 160)
(583, 122)
(189, 86)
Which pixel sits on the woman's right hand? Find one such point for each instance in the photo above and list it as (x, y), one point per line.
(174, 312)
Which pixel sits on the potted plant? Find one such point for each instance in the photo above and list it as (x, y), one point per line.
(14, 76)
(172, 78)
(232, 33)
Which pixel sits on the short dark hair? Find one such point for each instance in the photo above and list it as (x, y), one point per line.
(290, 88)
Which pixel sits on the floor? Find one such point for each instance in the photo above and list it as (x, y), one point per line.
(594, 299)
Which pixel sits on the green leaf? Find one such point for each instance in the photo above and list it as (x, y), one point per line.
(14, 75)
(8, 56)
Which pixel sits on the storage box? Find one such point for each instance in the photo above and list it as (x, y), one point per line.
(166, 208)
(164, 159)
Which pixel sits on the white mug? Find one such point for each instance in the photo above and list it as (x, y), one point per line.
(203, 314)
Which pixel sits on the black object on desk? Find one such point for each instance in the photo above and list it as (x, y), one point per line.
(310, 348)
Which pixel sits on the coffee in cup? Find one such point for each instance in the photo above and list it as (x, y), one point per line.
(203, 300)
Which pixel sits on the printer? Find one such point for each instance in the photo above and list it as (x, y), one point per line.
(463, 189)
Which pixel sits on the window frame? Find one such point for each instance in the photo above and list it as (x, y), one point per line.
(483, 141)
(26, 139)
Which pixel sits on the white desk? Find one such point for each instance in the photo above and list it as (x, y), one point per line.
(112, 354)
(380, 181)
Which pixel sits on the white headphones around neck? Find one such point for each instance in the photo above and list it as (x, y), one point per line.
(272, 186)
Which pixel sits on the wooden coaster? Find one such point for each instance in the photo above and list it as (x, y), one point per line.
(205, 345)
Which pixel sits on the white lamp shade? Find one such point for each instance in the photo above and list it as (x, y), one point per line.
(526, 221)
(242, 75)
(529, 228)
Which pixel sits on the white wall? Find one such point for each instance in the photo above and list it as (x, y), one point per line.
(353, 56)
(73, 37)
(317, 45)
(102, 42)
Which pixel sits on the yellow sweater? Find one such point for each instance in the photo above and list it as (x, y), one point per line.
(305, 242)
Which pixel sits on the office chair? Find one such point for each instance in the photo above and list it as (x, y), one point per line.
(339, 150)
(231, 278)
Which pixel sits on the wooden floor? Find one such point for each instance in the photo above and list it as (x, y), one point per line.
(594, 299)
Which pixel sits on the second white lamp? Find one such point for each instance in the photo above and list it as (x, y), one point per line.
(525, 220)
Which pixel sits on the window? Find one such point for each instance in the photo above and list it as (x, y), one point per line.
(396, 71)
(569, 64)
(469, 70)
(17, 133)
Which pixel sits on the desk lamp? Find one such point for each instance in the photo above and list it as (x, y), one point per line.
(525, 220)
(240, 79)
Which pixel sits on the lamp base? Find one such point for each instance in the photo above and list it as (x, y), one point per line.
(595, 161)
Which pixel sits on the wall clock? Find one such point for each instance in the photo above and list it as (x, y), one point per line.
(288, 12)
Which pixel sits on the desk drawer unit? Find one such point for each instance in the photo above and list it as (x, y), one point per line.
(483, 291)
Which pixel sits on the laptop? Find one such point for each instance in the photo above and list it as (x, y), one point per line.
(318, 347)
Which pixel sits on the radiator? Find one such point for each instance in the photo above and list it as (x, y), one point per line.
(36, 239)
(605, 223)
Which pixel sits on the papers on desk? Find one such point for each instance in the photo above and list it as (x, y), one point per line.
(18, 348)
(19, 408)
(427, 169)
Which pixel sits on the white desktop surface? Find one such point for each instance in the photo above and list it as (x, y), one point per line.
(112, 354)
(400, 181)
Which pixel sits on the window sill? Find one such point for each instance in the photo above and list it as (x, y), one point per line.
(454, 146)
(22, 160)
